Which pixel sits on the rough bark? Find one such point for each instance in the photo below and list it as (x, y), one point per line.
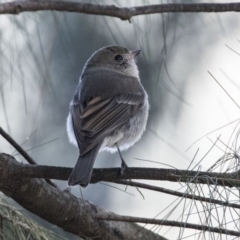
(113, 175)
(62, 208)
(124, 13)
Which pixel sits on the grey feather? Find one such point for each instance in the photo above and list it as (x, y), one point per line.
(82, 171)
(109, 107)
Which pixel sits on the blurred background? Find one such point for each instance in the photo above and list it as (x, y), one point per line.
(41, 58)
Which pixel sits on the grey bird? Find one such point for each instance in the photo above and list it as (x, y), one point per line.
(109, 109)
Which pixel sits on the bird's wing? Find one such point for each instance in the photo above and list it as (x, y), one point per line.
(100, 117)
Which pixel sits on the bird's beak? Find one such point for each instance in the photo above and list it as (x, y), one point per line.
(135, 53)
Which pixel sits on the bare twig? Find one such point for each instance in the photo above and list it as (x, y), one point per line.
(112, 174)
(17, 146)
(113, 217)
(21, 151)
(124, 13)
(224, 90)
(176, 193)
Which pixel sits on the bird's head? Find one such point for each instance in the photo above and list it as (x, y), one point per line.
(115, 58)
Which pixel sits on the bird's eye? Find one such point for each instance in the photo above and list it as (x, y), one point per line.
(118, 58)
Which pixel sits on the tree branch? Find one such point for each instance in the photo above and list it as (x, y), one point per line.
(64, 209)
(76, 215)
(21, 151)
(113, 174)
(176, 193)
(17, 146)
(124, 13)
(113, 217)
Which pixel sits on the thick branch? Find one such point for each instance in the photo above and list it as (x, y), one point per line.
(113, 174)
(40, 198)
(64, 209)
(125, 13)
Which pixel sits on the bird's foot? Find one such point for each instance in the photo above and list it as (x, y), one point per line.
(124, 166)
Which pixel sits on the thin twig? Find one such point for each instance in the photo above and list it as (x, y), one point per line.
(113, 217)
(17, 146)
(176, 193)
(224, 90)
(28, 158)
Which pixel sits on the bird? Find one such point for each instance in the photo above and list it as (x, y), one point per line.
(109, 109)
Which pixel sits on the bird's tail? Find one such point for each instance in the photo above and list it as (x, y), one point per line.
(82, 172)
